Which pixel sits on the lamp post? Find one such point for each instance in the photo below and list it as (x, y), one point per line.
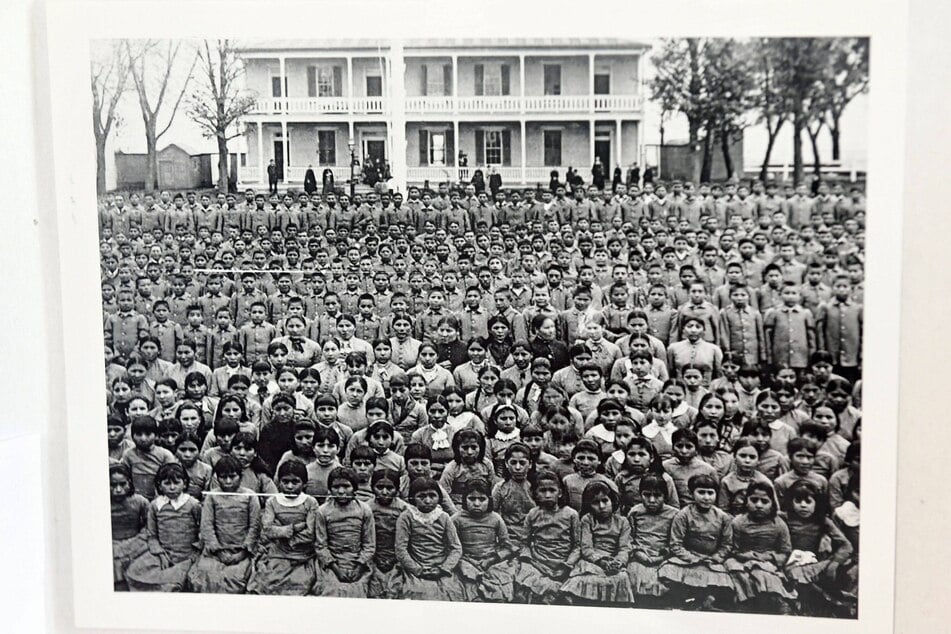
(353, 158)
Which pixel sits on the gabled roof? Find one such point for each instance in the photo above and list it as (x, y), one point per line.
(187, 149)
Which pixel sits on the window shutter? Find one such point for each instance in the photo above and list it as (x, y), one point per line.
(424, 148)
(311, 81)
(506, 88)
(338, 81)
(506, 147)
(480, 147)
(447, 79)
(425, 80)
(479, 74)
(450, 148)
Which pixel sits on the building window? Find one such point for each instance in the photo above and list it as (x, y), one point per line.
(552, 142)
(552, 78)
(492, 79)
(493, 147)
(602, 82)
(437, 149)
(275, 86)
(374, 85)
(435, 80)
(329, 81)
(326, 147)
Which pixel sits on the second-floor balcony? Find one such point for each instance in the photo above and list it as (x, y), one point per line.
(431, 105)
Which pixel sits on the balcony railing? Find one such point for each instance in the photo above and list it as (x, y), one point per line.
(510, 175)
(320, 105)
(557, 104)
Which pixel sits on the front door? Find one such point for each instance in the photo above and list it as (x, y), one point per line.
(602, 149)
(279, 159)
(374, 150)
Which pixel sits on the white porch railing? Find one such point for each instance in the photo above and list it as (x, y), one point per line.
(248, 174)
(432, 174)
(313, 105)
(529, 104)
(369, 105)
(442, 105)
(510, 175)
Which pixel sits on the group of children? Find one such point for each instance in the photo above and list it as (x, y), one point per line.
(628, 398)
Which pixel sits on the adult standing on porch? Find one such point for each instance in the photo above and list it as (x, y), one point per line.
(633, 176)
(495, 181)
(616, 180)
(327, 181)
(271, 177)
(597, 174)
(478, 181)
(649, 175)
(310, 181)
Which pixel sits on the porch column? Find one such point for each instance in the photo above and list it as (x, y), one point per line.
(260, 152)
(457, 145)
(397, 69)
(281, 60)
(521, 85)
(620, 161)
(524, 180)
(286, 147)
(591, 142)
(350, 86)
(284, 105)
(350, 131)
(591, 88)
(455, 85)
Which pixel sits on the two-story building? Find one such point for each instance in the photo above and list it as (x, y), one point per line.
(525, 106)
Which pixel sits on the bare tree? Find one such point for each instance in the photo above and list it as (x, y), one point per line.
(109, 73)
(768, 100)
(678, 87)
(799, 69)
(218, 102)
(847, 78)
(153, 63)
(708, 81)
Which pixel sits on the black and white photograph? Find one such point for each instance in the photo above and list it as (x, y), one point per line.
(571, 321)
(551, 318)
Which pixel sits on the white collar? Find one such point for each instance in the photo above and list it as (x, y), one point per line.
(503, 436)
(161, 501)
(599, 431)
(425, 518)
(286, 501)
(680, 410)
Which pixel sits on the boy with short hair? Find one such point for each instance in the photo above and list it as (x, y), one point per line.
(790, 331)
(256, 335)
(124, 327)
(741, 328)
(197, 332)
(839, 324)
(165, 330)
